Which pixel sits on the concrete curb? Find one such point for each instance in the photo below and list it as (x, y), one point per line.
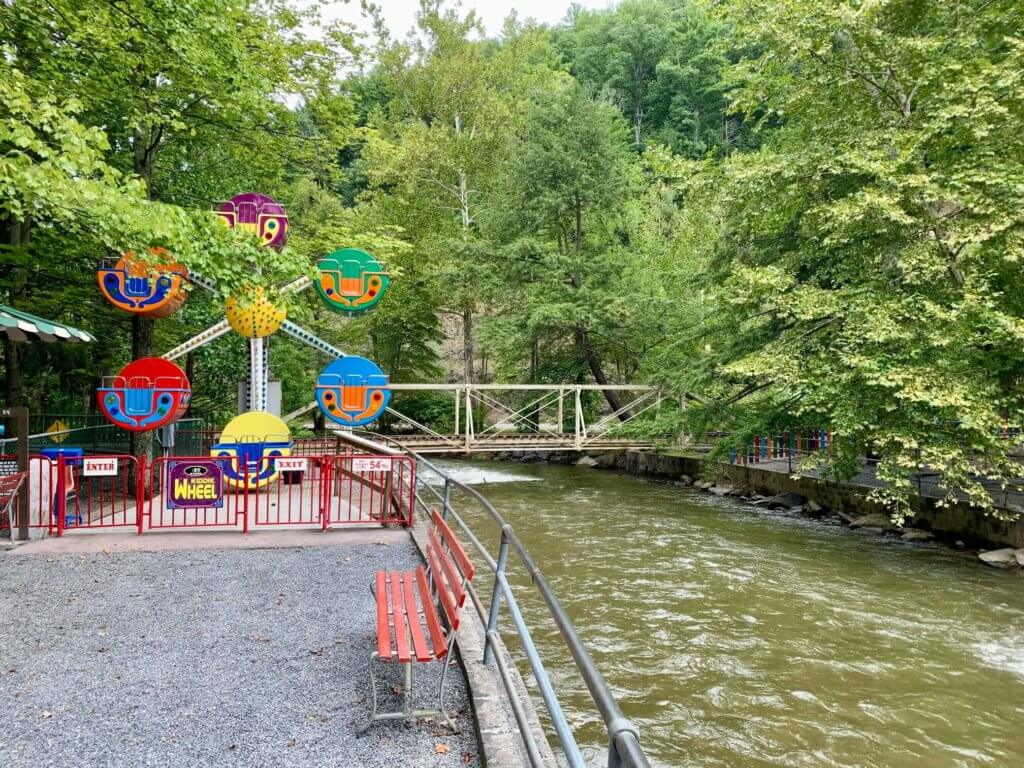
(498, 733)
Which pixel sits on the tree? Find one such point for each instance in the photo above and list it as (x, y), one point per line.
(437, 147)
(170, 102)
(661, 62)
(562, 194)
(868, 255)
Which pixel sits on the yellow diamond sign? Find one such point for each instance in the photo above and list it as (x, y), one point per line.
(57, 431)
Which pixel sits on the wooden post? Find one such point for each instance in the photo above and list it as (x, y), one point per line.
(561, 414)
(20, 417)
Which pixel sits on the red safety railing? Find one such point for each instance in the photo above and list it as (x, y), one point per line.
(182, 492)
(369, 488)
(169, 504)
(42, 503)
(97, 492)
(295, 497)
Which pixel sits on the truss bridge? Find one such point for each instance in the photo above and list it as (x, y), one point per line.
(479, 418)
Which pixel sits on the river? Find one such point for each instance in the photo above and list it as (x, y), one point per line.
(739, 637)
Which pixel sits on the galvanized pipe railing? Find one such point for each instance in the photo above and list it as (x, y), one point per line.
(624, 749)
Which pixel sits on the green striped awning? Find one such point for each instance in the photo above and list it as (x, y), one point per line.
(21, 326)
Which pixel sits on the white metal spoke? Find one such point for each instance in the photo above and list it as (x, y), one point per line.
(202, 282)
(299, 412)
(297, 285)
(310, 340)
(211, 333)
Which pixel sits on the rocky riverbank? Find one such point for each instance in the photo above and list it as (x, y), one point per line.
(997, 543)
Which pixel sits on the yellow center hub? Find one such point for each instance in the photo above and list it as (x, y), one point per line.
(256, 317)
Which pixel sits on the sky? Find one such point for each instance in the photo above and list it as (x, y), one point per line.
(400, 14)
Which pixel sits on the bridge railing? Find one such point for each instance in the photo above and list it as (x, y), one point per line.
(624, 749)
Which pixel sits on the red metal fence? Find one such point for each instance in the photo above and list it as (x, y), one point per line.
(182, 492)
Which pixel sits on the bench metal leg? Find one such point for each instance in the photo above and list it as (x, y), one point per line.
(407, 712)
(440, 691)
(373, 695)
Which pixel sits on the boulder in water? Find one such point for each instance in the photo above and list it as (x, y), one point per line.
(874, 520)
(915, 534)
(685, 480)
(586, 461)
(786, 501)
(721, 490)
(1000, 558)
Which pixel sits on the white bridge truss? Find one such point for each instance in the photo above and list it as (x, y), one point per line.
(538, 425)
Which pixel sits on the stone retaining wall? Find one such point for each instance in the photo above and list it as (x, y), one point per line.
(956, 522)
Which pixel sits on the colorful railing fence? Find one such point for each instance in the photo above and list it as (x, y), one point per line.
(183, 492)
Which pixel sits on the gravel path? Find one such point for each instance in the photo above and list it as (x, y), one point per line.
(200, 658)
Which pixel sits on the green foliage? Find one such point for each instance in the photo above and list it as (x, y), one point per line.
(661, 63)
(867, 255)
(120, 125)
(804, 212)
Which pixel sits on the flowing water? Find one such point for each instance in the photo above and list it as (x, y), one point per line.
(740, 637)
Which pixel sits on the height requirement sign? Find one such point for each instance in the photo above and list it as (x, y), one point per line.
(195, 483)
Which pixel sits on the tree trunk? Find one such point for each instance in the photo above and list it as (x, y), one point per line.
(140, 444)
(144, 145)
(17, 237)
(190, 374)
(15, 393)
(594, 363)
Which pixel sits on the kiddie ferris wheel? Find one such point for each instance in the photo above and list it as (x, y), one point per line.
(153, 392)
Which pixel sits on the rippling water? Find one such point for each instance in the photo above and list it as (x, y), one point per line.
(739, 637)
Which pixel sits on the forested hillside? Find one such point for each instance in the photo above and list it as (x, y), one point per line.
(805, 212)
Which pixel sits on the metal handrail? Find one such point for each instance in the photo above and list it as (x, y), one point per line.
(624, 749)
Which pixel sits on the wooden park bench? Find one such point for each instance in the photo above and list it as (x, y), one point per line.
(418, 617)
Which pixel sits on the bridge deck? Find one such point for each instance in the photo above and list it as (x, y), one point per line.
(507, 441)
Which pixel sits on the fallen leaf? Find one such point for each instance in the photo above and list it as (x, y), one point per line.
(262, 639)
(47, 714)
(442, 749)
(106, 552)
(290, 743)
(467, 757)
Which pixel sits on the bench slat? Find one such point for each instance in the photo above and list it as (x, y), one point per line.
(450, 611)
(430, 616)
(454, 579)
(454, 545)
(398, 613)
(419, 642)
(383, 625)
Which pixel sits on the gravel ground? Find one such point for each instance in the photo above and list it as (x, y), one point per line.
(202, 658)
